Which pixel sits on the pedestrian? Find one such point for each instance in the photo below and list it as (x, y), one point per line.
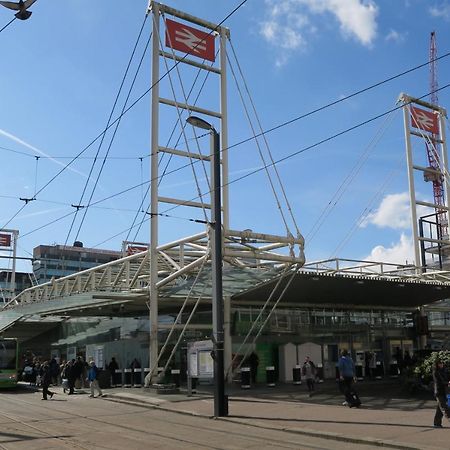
(347, 377)
(71, 375)
(112, 367)
(92, 377)
(372, 364)
(46, 379)
(77, 372)
(441, 381)
(309, 373)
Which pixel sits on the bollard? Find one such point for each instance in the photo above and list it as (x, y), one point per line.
(379, 371)
(175, 375)
(127, 377)
(297, 375)
(359, 372)
(319, 372)
(245, 377)
(118, 377)
(137, 377)
(270, 376)
(393, 369)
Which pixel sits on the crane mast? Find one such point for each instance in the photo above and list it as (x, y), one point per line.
(431, 148)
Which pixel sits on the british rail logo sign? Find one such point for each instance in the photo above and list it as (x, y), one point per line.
(424, 120)
(5, 240)
(189, 40)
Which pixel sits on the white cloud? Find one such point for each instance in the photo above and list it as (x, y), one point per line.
(393, 212)
(401, 252)
(441, 11)
(289, 23)
(395, 36)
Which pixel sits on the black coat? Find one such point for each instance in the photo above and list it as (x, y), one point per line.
(440, 378)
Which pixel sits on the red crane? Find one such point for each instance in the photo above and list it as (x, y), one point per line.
(431, 146)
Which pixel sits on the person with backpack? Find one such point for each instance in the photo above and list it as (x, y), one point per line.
(347, 377)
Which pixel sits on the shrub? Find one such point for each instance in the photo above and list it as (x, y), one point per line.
(425, 369)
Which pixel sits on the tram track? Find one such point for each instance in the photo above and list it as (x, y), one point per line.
(197, 428)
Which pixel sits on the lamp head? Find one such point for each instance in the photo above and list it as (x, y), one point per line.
(199, 123)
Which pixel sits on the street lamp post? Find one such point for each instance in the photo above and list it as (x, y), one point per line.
(220, 401)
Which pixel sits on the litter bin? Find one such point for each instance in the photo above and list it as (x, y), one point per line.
(319, 373)
(175, 376)
(245, 377)
(270, 376)
(104, 379)
(359, 372)
(118, 377)
(393, 369)
(297, 374)
(137, 377)
(379, 371)
(127, 377)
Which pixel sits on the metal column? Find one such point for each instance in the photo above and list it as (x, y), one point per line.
(412, 192)
(153, 357)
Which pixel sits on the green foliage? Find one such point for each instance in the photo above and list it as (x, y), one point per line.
(425, 369)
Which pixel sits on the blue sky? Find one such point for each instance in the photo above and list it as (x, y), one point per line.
(62, 68)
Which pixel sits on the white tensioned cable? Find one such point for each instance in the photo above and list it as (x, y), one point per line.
(180, 313)
(280, 297)
(266, 168)
(288, 205)
(363, 216)
(354, 171)
(261, 312)
(179, 113)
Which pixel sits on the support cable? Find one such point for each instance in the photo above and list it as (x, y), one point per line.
(288, 205)
(112, 138)
(179, 317)
(285, 158)
(266, 131)
(274, 192)
(353, 173)
(295, 269)
(108, 123)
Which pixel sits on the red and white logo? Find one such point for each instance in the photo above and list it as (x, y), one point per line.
(133, 249)
(189, 40)
(425, 120)
(5, 240)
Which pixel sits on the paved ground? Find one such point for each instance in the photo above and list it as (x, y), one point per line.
(281, 417)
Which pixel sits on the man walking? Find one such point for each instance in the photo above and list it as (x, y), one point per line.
(93, 380)
(346, 368)
(441, 380)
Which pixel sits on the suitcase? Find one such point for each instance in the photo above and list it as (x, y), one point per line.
(353, 400)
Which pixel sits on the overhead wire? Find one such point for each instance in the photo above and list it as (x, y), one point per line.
(345, 184)
(386, 80)
(8, 24)
(181, 59)
(289, 208)
(285, 158)
(113, 137)
(130, 60)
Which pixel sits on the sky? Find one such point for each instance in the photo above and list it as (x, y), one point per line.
(61, 71)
